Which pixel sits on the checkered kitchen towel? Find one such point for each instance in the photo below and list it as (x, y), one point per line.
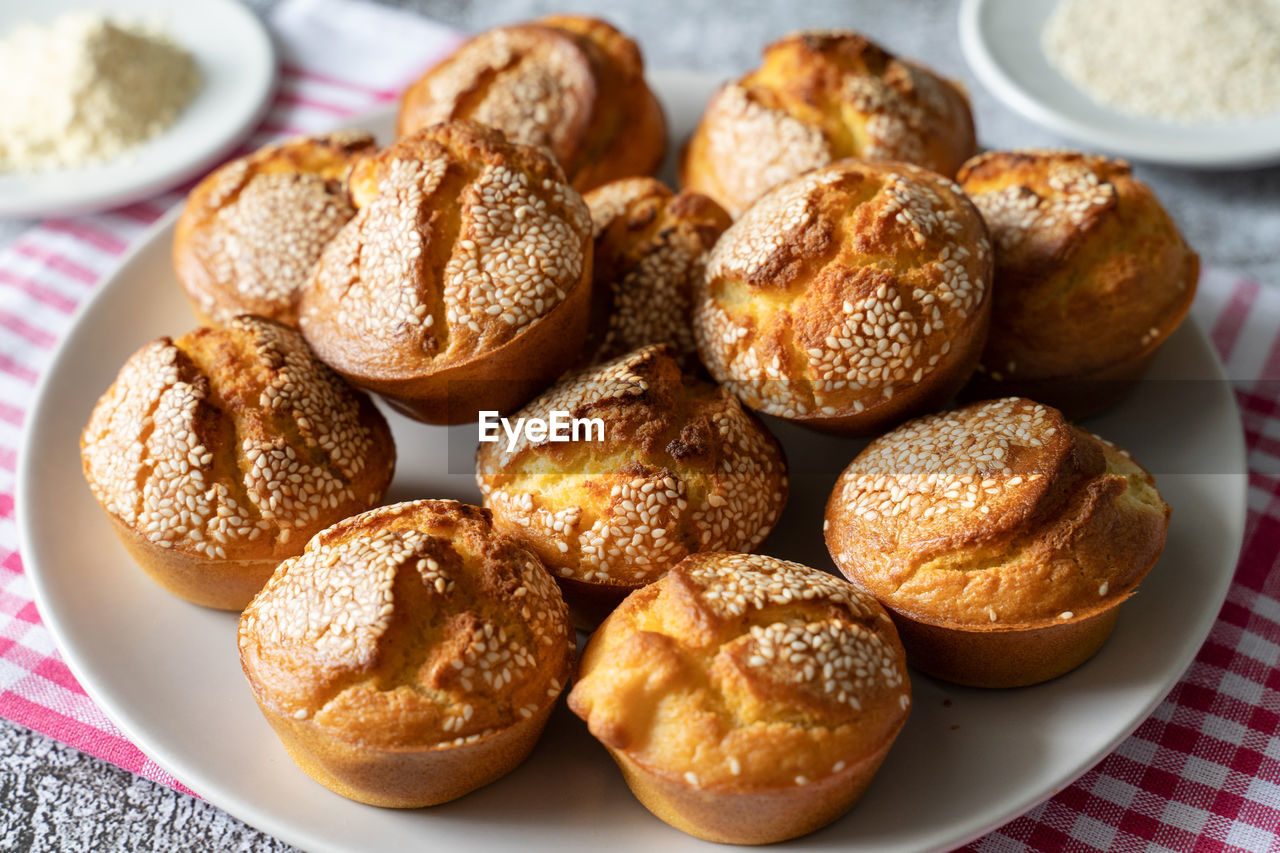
(1203, 772)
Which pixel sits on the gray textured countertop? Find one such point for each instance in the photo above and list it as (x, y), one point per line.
(53, 797)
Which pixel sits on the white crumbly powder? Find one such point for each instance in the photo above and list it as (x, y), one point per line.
(1186, 61)
(83, 89)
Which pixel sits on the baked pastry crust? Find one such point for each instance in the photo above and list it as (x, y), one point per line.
(746, 699)
(818, 97)
(651, 249)
(682, 468)
(573, 85)
(1002, 538)
(251, 232)
(1091, 276)
(462, 283)
(410, 655)
(849, 298)
(219, 454)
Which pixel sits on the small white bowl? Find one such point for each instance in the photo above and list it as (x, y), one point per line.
(1001, 42)
(238, 66)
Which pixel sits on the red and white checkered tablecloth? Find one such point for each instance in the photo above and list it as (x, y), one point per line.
(1202, 773)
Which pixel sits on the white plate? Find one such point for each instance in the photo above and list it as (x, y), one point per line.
(968, 760)
(1001, 41)
(237, 61)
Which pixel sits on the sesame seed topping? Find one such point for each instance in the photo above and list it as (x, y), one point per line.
(461, 242)
(851, 331)
(480, 662)
(622, 511)
(156, 457)
(256, 227)
(651, 248)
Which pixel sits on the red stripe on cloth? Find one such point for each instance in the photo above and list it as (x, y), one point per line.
(1226, 330)
(28, 614)
(95, 237)
(277, 129)
(1270, 368)
(23, 329)
(57, 672)
(58, 263)
(12, 414)
(8, 459)
(140, 211)
(295, 99)
(39, 292)
(13, 563)
(18, 370)
(86, 738)
(307, 74)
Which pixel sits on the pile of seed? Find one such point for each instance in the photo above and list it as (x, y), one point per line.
(84, 89)
(1184, 61)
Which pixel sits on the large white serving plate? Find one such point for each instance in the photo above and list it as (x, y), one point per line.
(1001, 42)
(968, 760)
(237, 60)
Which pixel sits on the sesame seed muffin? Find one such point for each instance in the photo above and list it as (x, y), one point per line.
(410, 655)
(217, 455)
(746, 699)
(651, 246)
(464, 280)
(848, 299)
(1002, 539)
(681, 467)
(569, 84)
(1091, 277)
(251, 232)
(819, 97)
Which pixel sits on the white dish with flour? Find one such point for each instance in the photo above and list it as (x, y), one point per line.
(1003, 43)
(236, 63)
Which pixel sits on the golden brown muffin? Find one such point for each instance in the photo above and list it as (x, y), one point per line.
(251, 232)
(650, 249)
(746, 699)
(1091, 277)
(1002, 539)
(680, 467)
(462, 283)
(410, 655)
(217, 455)
(820, 97)
(849, 298)
(572, 85)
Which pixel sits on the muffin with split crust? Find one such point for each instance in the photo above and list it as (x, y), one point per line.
(463, 282)
(1091, 277)
(818, 97)
(1002, 538)
(651, 248)
(746, 699)
(680, 468)
(251, 232)
(218, 454)
(570, 84)
(410, 655)
(848, 299)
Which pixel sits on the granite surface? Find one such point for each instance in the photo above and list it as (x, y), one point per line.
(54, 798)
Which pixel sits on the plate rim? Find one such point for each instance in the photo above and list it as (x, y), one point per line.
(1009, 92)
(117, 194)
(263, 819)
